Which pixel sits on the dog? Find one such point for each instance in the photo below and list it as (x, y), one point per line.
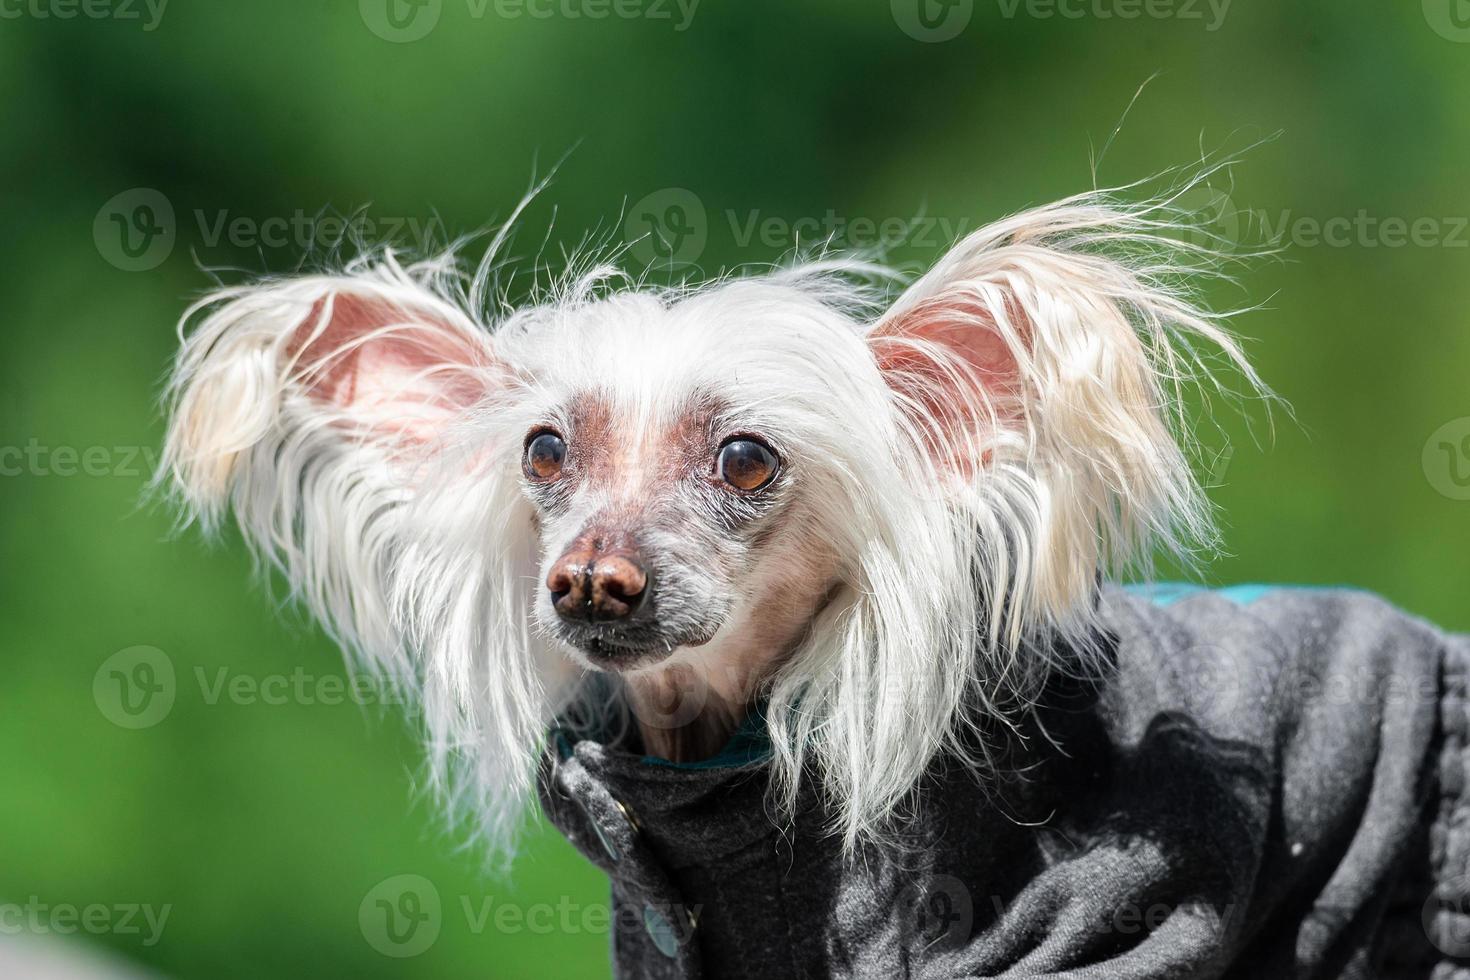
(792, 603)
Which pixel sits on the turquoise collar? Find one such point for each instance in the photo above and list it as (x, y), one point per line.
(748, 745)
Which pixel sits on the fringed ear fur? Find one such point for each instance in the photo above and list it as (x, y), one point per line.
(290, 402)
(349, 423)
(1041, 361)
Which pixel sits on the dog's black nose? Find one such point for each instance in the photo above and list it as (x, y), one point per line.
(592, 585)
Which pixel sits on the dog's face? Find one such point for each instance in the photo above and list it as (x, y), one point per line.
(671, 461)
(651, 527)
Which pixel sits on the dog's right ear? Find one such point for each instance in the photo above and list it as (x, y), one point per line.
(325, 364)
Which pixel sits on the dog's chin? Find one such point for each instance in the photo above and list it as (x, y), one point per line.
(615, 654)
(615, 657)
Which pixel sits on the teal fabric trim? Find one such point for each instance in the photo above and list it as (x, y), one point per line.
(1163, 593)
(1244, 595)
(1167, 593)
(751, 743)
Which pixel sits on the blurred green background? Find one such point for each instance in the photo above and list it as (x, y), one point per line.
(138, 147)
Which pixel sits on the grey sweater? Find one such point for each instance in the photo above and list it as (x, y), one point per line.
(1267, 783)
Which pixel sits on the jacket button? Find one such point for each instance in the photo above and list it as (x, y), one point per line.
(604, 839)
(601, 833)
(661, 931)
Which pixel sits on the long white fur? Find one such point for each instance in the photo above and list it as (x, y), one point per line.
(958, 569)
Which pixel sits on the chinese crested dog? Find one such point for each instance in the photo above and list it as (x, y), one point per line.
(604, 536)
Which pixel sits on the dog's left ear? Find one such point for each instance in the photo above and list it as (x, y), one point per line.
(1038, 378)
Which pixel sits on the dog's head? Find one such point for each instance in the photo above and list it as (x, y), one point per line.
(877, 518)
(678, 457)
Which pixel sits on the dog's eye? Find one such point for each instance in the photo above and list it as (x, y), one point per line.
(746, 464)
(544, 455)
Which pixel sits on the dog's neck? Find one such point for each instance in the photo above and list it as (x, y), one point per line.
(681, 716)
(687, 710)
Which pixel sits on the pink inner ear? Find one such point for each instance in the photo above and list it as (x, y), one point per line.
(401, 373)
(988, 370)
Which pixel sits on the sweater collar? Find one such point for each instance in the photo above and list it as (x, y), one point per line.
(695, 812)
(687, 812)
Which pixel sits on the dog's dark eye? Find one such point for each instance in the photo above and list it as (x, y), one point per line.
(746, 464)
(544, 454)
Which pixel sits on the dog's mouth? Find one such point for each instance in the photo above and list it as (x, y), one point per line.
(626, 650)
